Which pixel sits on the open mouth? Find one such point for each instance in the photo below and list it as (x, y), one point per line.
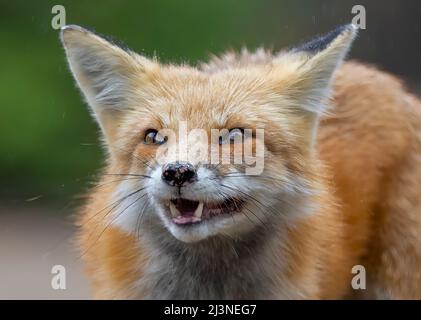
(187, 212)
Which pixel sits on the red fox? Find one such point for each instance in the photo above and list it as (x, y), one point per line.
(340, 184)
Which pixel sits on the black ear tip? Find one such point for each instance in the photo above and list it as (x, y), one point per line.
(322, 42)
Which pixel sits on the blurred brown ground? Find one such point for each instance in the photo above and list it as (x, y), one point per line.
(32, 241)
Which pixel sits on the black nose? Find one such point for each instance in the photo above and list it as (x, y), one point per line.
(178, 173)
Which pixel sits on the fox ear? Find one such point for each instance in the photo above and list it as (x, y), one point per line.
(104, 73)
(314, 64)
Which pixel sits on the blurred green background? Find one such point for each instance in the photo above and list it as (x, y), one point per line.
(48, 143)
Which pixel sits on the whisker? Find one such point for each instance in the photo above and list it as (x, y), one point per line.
(114, 219)
(140, 217)
(264, 208)
(133, 156)
(115, 204)
(114, 181)
(244, 193)
(225, 195)
(128, 174)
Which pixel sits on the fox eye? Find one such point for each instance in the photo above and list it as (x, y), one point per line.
(235, 135)
(152, 136)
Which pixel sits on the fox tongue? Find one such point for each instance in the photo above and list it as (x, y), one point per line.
(186, 211)
(186, 207)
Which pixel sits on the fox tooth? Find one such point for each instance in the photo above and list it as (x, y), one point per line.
(199, 210)
(174, 211)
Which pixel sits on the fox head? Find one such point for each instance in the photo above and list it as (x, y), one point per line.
(163, 124)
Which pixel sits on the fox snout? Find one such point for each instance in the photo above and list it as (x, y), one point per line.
(179, 173)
